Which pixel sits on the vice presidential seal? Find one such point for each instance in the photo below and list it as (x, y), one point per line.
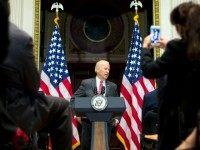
(99, 102)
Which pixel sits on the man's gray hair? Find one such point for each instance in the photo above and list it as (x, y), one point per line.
(99, 63)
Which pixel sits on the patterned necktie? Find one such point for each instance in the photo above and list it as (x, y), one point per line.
(100, 87)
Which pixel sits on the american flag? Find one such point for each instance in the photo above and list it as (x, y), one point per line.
(133, 88)
(55, 79)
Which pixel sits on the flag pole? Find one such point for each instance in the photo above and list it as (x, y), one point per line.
(57, 6)
(136, 4)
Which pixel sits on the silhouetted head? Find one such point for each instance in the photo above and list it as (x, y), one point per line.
(186, 18)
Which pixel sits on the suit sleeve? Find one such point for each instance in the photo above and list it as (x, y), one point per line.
(81, 90)
(161, 66)
(144, 108)
(115, 94)
(115, 91)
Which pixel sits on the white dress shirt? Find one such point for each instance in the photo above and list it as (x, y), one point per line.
(98, 83)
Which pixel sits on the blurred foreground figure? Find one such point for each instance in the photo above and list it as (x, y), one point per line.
(21, 105)
(179, 102)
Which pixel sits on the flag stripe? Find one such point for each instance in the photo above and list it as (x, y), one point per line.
(131, 128)
(149, 84)
(128, 101)
(44, 87)
(131, 114)
(136, 89)
(58, 91)
(67, 85)
(63, 90)
(124, 140)
(126, 136)
(143, 86)
(46, 81)
(75, 139)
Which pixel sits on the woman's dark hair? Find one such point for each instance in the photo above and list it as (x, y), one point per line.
(4, 13)
(187, 17)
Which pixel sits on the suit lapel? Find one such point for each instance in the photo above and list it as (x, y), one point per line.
(94, 87)
(107, 88)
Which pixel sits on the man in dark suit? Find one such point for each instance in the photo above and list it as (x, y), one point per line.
(150, 104)
(150, 120)
(91, 87)
(21, 105)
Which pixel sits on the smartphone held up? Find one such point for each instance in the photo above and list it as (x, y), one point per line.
(154, 35)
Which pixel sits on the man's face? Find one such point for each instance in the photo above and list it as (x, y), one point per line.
(103, 70)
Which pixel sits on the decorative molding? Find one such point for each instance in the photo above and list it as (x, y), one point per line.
(36, 37)
(156, 21)
(156, 12)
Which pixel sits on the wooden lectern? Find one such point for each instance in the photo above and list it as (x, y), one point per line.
(84, 107)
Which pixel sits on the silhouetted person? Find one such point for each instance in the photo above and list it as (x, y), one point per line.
(21, 105)
(179, 101)
(149, 113)
(150, 120)
(150, 108)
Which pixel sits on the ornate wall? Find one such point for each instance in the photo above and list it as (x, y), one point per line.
(83, 42)
(28, 18)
